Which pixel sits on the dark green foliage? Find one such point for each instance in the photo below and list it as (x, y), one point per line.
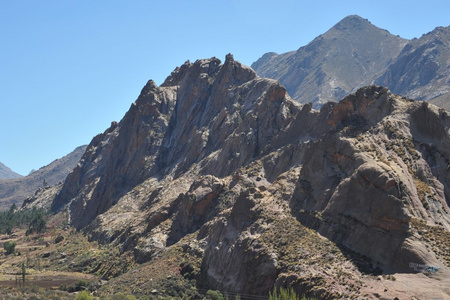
(13, 218)
(213, 295)
(13, 208)
(9, 247)
(80, 285)
(36, 225)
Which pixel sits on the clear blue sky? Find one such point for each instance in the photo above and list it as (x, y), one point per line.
(70, 67)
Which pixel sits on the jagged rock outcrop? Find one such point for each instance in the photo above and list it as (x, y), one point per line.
(42, 198)
(260, 190)
(348, 56)
(17, 190)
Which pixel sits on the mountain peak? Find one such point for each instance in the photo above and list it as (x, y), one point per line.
(352, 22)
(348, 56)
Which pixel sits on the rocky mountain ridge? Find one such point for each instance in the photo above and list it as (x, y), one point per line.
(257, 190)
(7, 173)
(354, 53)
(17, 190)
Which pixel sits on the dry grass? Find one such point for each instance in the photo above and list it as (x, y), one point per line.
(436, 239)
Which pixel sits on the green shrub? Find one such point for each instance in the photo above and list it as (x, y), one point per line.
(121, 296)
(81, 283)
(213, 295)
(84, 295)
(9, 247)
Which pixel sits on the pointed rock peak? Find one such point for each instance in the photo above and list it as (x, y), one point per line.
(234, 69)
(352, 22)
(151, 84)
(149, 87)
(174, 78)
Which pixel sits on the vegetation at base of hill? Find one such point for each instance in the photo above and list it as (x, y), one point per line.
(34, 219)
(84, 295)
(286, 294)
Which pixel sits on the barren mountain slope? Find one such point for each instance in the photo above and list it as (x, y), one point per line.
(7, 173)
(18, 189)
(221, 177)
(422, 69)
(348, 56)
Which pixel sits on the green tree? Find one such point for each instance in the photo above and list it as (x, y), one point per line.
(9, 229)
(37, 224)
(10, 247)
(13, 208)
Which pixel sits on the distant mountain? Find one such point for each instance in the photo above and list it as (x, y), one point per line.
(349, 55)
(354, 53)
(422, 69)
(7, 173)
(18, 189)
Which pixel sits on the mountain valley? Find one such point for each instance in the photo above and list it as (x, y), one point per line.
(217, 182)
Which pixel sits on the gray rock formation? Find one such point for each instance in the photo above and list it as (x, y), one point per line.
(348, 56)
(224, 166)
(18, 189)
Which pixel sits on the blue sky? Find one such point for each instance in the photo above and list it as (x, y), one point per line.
(68, 68)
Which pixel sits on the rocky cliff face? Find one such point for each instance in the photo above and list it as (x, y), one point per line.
(17, 190)
(348, 56)
(256, 190)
